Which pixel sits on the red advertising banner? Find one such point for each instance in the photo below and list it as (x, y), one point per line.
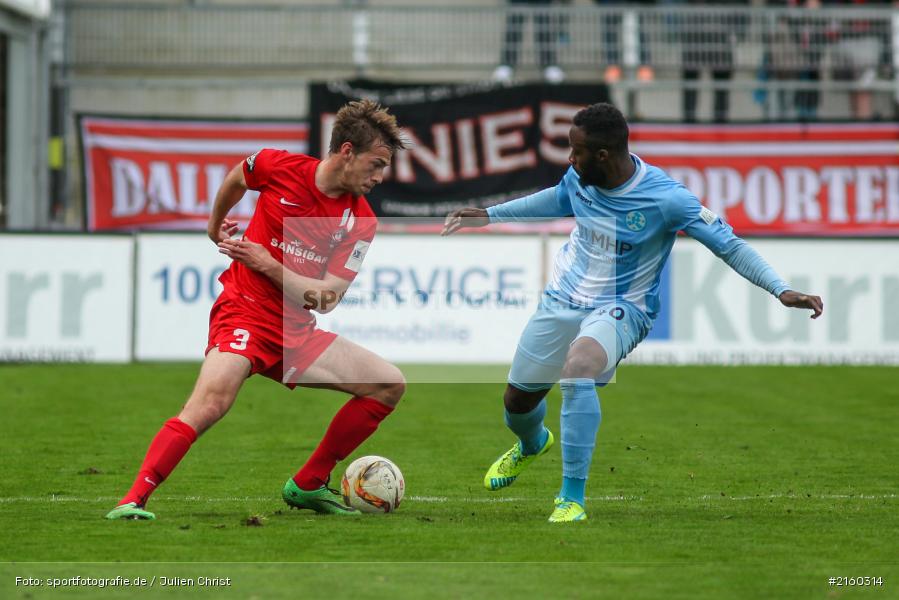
(164, 174)
(789, 179)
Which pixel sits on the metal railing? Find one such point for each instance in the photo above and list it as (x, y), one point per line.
(852, 45)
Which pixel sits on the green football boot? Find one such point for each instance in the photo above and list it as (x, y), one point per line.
(509, 466)
(130, 511)
(324, 500)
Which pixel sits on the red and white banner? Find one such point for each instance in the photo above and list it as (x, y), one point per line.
(791, 179)
(164, 174)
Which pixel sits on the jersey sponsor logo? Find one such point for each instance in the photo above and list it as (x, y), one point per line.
(298, 250)
(251, 161)
(707, 215)
(609, 243)
(354, 261)
(635, 220)
(583, 198)
(286, 203)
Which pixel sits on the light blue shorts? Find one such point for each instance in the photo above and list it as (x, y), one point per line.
(544, 343)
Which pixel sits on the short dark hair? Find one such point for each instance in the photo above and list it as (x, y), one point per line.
(604, 126)
(363, 123)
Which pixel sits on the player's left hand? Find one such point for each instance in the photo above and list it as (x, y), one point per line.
(228, 228)
(800, 300)
(251, 254)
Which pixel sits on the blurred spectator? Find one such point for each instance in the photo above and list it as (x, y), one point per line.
(708, 43)
(612, 51)
(861, 47)
(546, 35)
(811, 33)
(793, 48)
(894, 58)
(782, 63)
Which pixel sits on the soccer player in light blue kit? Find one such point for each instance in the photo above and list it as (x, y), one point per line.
(604, 291)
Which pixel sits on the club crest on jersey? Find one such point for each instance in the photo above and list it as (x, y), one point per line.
(251, 162)
(635, 220)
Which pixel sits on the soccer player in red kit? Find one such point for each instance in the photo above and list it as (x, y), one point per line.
(304, 245)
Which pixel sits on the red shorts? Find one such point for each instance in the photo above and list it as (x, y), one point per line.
(234, 329)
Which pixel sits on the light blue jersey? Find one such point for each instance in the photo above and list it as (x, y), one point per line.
(623, 237)
(604, 287)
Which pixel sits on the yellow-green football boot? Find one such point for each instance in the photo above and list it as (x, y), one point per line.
(567, 511)
(509, 466)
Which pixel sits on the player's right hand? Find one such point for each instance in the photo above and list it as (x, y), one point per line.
(224, 231)
(465, 217)
(253, 255)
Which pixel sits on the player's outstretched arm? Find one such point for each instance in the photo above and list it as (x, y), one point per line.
(229, 194)
(465, 217)
(320, 295)
(550, 203)
(794, 299)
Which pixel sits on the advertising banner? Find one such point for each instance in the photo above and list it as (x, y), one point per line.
(176, 284)
(426, 299)
(470, 145)
(711, 315)
(788, 179)
(417, 298)
(65, 298)
(164, 174)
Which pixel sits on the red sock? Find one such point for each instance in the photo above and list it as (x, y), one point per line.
(352, 425)
(165, 452)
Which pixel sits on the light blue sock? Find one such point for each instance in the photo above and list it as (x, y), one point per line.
(529, 428)
(573, 489)
(580, 420)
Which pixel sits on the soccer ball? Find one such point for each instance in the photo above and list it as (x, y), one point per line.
(373, 484)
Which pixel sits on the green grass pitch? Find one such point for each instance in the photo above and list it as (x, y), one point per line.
(707, 483)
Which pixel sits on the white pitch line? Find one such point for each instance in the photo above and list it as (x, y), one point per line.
(426, 499)
(803, 496)
(445, 499)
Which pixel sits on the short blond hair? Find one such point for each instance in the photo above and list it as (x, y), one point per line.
(363, 123)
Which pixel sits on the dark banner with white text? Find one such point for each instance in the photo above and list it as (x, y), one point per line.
(471, 145)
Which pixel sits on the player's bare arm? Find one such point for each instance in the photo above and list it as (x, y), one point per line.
(465, 217)
(229, 194)
(794, 299)
(320, 295)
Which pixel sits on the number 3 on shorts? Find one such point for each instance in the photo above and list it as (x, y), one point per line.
(243, 336)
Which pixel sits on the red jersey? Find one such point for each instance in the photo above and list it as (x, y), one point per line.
(306, 231)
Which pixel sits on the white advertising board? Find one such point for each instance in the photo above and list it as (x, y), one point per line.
(711, 315)
(177, 282)
(465, 299)
(65, 298)
(418, 298)
(427, 299)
